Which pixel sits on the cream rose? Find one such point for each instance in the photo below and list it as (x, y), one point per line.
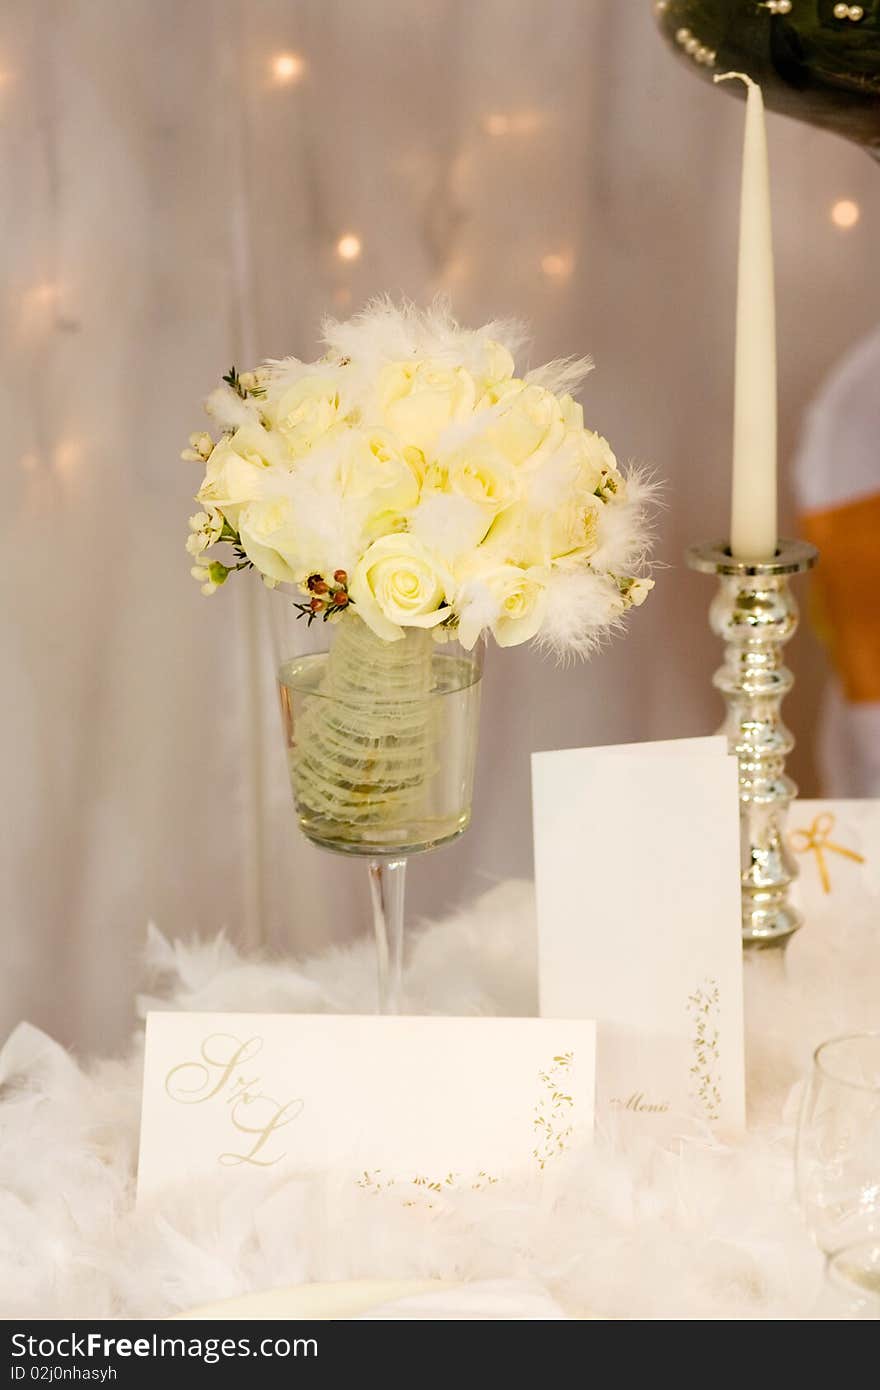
(377, 467)
(378, 482)
(419, 400)
(479, 471)
(528, 536)
(574, 530)
(500, 365)
(268, 538)
(506, 598)
(343, 496)
(572, 413)
(598, 466)
(237, 471)
(504, 389)
(561, 511)
(523, 608)
(305, 413)
(530, 422)
(399, 584)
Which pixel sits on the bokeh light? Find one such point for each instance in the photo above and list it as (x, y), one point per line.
(288, 67)
(524, 122)
(348, 247)
(557, 265)
(845, 213)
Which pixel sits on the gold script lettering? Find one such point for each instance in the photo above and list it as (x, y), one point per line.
(218, 1072)
(638, 1103)
(190, 1082)
(280, 1116)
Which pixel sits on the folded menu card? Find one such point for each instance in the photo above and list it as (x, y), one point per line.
(637, 866)
(836, 847)
(418, 1106)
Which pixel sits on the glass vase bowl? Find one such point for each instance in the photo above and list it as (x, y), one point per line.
(381, 741)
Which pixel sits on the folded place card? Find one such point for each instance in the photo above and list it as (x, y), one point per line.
(419, 1105)
(637, 866)
(836, 846)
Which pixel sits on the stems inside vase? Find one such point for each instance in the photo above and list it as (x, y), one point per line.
(387, 885)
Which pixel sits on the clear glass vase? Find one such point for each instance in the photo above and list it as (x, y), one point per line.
(381, 742)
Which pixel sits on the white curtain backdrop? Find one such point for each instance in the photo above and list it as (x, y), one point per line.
(172, 206)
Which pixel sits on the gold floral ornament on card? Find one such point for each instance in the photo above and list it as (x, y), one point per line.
(553, 1113)
(816, 840)
(553, 1126)
(704, 1007)
(373, 1180)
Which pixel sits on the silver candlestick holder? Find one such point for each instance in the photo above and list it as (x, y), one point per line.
(754, 613)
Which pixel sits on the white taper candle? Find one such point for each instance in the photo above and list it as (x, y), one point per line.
(753, 525)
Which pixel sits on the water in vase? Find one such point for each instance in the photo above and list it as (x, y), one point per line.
(381, 741)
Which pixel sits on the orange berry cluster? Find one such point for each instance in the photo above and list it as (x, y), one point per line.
(328, 595)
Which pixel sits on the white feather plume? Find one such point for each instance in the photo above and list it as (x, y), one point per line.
(625, 525)
(229, 410)
(448, 525)
(564, 376)
(583, 608)
(385, 331)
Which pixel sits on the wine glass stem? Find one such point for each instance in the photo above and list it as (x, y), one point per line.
(387, 884)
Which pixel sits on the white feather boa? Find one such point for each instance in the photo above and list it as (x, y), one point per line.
(705, 1231)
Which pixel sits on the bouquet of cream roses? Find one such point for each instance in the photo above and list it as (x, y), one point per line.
(414, 476)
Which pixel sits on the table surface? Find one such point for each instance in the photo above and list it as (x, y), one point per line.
(699, 1230)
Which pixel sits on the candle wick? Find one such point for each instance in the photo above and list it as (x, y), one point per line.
(739, 76)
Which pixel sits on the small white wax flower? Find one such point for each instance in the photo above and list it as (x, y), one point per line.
(205, 529)
(201, 446)
(203, 574)
(638, 591)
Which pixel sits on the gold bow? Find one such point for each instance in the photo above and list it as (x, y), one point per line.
(816, 839)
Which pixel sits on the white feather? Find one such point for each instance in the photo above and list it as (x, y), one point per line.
(281, 372)
(582, 609)
(705, 1230)
(564, 376)
(551, 484)
(448, 525)
(229, 410)
(626, 526)
(388, 332)
(478, 608)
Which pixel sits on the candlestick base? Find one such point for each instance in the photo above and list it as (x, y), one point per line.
(754, 613)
